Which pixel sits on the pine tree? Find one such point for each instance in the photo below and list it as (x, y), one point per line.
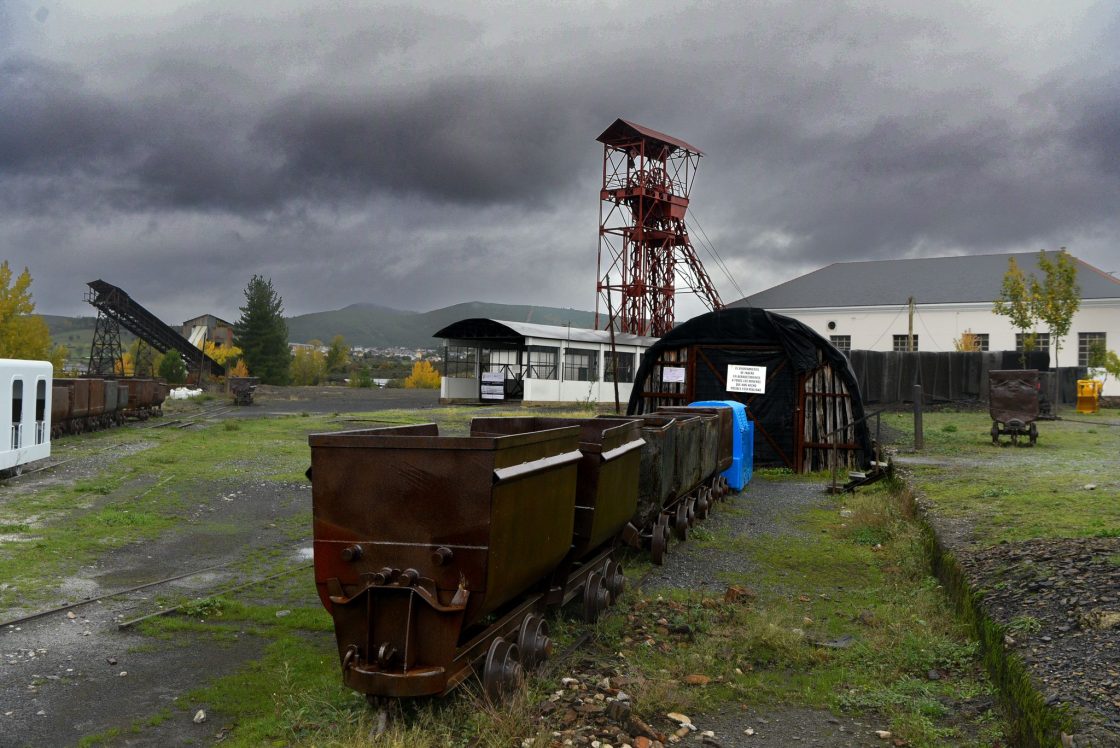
(262, 334)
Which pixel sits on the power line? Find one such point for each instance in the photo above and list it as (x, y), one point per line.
(710, 248)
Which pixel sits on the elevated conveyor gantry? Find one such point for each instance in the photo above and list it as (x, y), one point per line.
(117, 305)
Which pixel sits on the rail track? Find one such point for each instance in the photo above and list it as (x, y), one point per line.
(122, 596)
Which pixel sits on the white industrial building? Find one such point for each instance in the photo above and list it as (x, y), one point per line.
(487, 360)
(866, 305)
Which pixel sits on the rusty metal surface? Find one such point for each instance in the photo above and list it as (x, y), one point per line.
(1013, 395)
(657, 478)
(419, 537)
(242, 389)
(718, 441)
(690, 468)
(607, 480)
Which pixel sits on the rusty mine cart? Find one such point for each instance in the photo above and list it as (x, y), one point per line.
(1013, 404)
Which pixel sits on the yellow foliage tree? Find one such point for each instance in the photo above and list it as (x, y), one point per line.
(239, 369)
(125, 366)
(423, 377)
(23, 334)
(223, 354)
(968, 341)
(308, 366)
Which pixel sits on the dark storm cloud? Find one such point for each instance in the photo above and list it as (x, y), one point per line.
(466, 140)
(419, 158)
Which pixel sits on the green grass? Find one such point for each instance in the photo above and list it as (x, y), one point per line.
(138, 496)
(875, 602)
(1017, 493)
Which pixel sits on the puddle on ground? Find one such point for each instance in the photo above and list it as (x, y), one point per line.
(306, 554)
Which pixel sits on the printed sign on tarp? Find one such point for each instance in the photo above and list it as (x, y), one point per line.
(750, 379)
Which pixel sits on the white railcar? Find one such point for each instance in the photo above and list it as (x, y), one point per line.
(25, 413)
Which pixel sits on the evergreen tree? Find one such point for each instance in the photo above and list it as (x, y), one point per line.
(262, 334)
(172, 368)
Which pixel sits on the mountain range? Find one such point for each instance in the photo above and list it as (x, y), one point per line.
(367, 325)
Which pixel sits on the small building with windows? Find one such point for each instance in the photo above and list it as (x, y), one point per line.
(488, 360)
(866, 306)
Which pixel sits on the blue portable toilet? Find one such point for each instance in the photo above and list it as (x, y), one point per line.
(742, 443)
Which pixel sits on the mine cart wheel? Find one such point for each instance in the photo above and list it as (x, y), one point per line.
(1033, 434)
(995, 433)
(596, 598)
(692, 509)
(704, 503)
(615, 579)
(502, 673)
(659, 540)
(533, 641)
(680, 520)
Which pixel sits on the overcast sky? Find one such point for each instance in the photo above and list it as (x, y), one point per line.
(420, 155)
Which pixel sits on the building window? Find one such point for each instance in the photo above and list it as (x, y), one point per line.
(901, 343)
(1032, 341)
(1086, 343)
(843, 343)
(625, 367)
(542, 362)
(17, 413)
(459, 361)
(507, 361)
(581, 365)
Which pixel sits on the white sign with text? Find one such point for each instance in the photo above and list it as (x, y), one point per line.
(746, 379)
(672, 374)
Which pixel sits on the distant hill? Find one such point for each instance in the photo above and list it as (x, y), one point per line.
(367, 325)
(373, 326)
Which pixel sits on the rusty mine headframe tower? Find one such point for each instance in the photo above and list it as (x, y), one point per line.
(643, 240)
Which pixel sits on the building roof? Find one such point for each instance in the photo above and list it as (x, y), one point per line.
(480, 328)
(622, 132)
(218, 321)
(931, 280)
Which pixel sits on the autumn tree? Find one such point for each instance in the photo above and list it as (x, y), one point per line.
(308, 366)
(262, 334)
(226, 355)
(968, 341)
(423, 377)
(24, 334)
(1057, 298)
(338, 355)
(172, 368)
(1017, 302)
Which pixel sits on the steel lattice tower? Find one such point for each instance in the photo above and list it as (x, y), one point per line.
(643, 240)
(105, 349)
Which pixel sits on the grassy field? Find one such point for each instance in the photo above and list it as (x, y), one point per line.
(1016, 493)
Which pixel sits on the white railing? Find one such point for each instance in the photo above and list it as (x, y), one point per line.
(40, 432)
(17, 435)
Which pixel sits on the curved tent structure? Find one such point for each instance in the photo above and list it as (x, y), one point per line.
(809, 400)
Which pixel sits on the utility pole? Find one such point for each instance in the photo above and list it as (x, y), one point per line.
(910, 329)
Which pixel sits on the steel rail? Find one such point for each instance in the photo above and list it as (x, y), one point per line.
(213, 593)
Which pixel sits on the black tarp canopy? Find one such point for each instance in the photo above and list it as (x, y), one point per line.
(791, 353)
